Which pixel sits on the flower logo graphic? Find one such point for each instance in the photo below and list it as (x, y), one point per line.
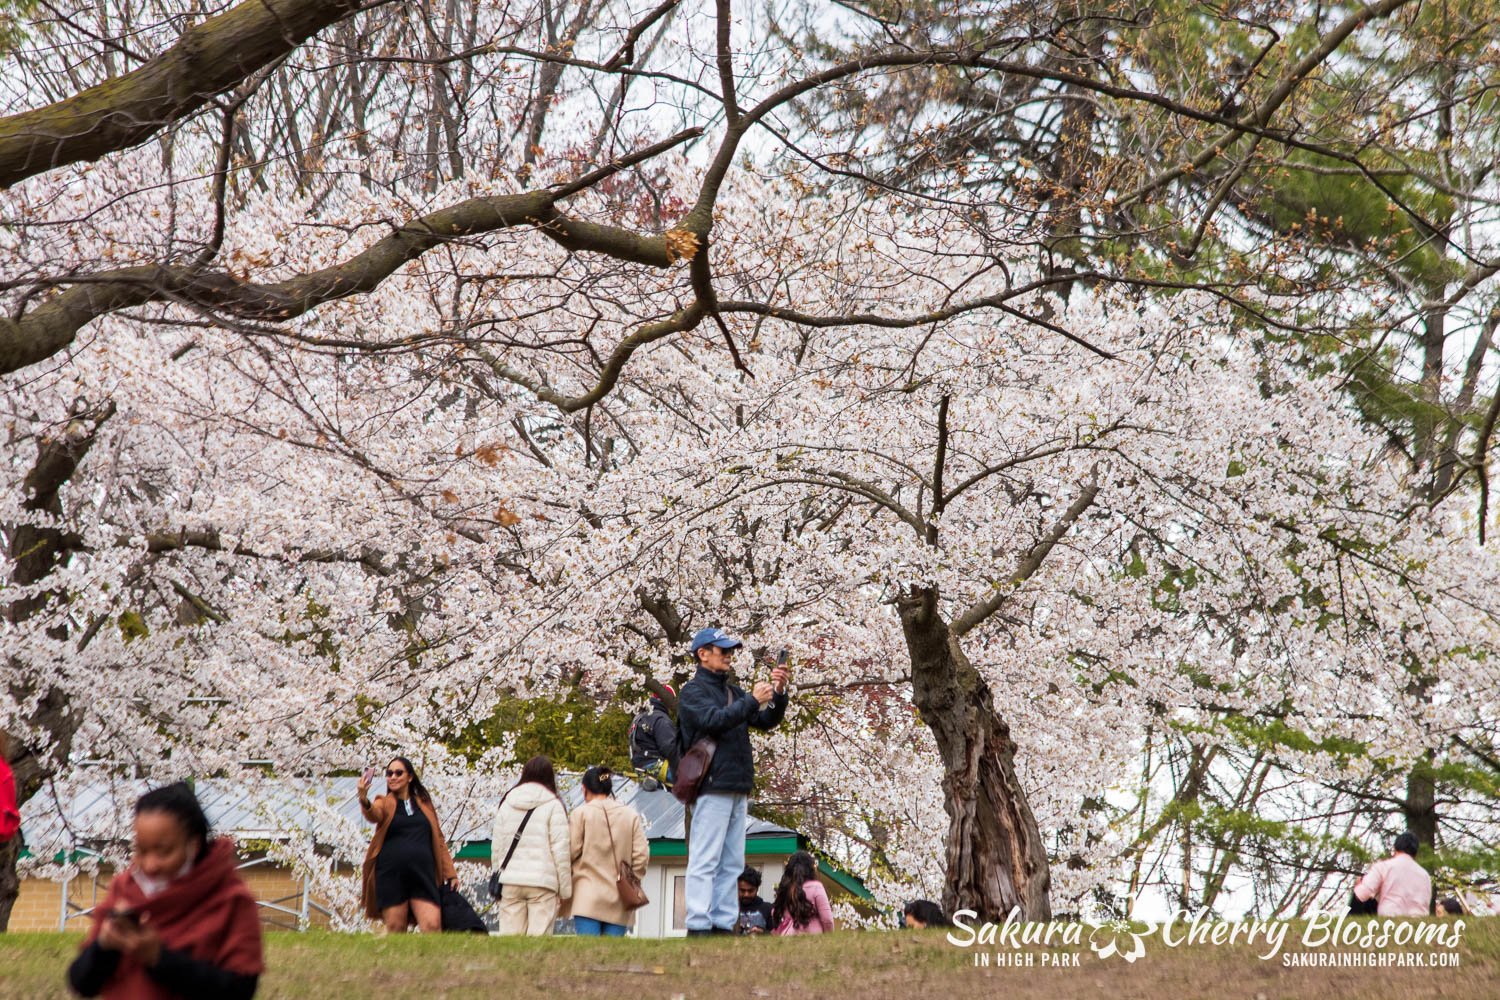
(1119, 937)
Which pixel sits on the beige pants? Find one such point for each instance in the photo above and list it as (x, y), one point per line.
(525, 909)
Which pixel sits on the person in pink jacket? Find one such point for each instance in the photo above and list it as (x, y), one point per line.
(1401, 887)
(801, 905)
(10, 812)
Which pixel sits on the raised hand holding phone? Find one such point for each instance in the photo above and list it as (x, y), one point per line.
(780, 674)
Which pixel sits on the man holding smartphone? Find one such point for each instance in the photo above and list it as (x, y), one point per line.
(710, 706)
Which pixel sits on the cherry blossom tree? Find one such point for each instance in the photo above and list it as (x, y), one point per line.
(1167, 522)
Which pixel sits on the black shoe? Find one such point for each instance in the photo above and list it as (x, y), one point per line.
(694, 932)
(722, 930)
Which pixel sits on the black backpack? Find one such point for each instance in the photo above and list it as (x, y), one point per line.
(639, 755)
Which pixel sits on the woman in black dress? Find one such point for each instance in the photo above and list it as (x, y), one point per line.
(408, 856)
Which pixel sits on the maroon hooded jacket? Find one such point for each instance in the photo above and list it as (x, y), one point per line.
(208, 913)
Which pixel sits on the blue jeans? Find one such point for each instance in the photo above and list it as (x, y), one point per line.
(589, 927)
(716, 857)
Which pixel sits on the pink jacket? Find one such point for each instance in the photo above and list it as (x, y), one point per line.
(10, 814)
(821, 923)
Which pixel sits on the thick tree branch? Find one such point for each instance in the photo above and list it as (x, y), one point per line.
(1481, 461)
(725, 55)
(51, 326)
(939, 500)
(212, 541)
(37, 551)
(125, 111)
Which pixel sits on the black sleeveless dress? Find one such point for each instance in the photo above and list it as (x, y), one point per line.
(405, 868)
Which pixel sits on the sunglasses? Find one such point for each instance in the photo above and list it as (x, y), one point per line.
(394, 774)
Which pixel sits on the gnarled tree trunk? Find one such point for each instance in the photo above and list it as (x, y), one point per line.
(36, 552)
(995, 859)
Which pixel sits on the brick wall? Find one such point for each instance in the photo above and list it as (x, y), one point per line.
(37, 906)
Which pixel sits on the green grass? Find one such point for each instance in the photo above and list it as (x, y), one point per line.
(875, 964)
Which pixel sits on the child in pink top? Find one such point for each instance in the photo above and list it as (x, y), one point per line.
(801, 905)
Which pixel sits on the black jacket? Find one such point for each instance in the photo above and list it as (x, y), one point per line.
(709, 705)
(653, 738)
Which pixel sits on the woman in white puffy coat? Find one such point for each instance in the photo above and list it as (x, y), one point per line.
(540, 871)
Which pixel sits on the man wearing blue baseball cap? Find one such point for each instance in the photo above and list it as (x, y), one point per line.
(710, 706)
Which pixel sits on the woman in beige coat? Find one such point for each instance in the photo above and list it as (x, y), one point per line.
(604, 833)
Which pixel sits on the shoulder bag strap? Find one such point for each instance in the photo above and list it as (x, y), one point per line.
(517, 838)
(611, 831)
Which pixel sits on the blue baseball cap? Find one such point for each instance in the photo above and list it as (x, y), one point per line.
(713, 637)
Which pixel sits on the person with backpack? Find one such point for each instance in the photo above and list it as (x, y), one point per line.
(530, 851)
(653, 741)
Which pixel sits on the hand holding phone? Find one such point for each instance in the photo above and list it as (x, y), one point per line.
(780, 674)
(120, 931)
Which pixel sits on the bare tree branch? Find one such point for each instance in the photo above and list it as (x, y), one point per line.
(125, 111)
(51, 326)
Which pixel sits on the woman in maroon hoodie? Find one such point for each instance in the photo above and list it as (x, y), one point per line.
(179, 922)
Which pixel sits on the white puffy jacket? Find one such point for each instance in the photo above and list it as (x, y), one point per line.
(543, 856)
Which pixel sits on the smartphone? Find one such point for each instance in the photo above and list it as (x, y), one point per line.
(369, 775)
(781, 665)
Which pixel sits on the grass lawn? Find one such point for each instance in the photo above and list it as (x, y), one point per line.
(893, 964)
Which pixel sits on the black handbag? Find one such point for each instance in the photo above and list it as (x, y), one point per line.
(458, 913)
(496, 885)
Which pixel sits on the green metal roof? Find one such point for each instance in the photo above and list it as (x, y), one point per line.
(756, 846)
